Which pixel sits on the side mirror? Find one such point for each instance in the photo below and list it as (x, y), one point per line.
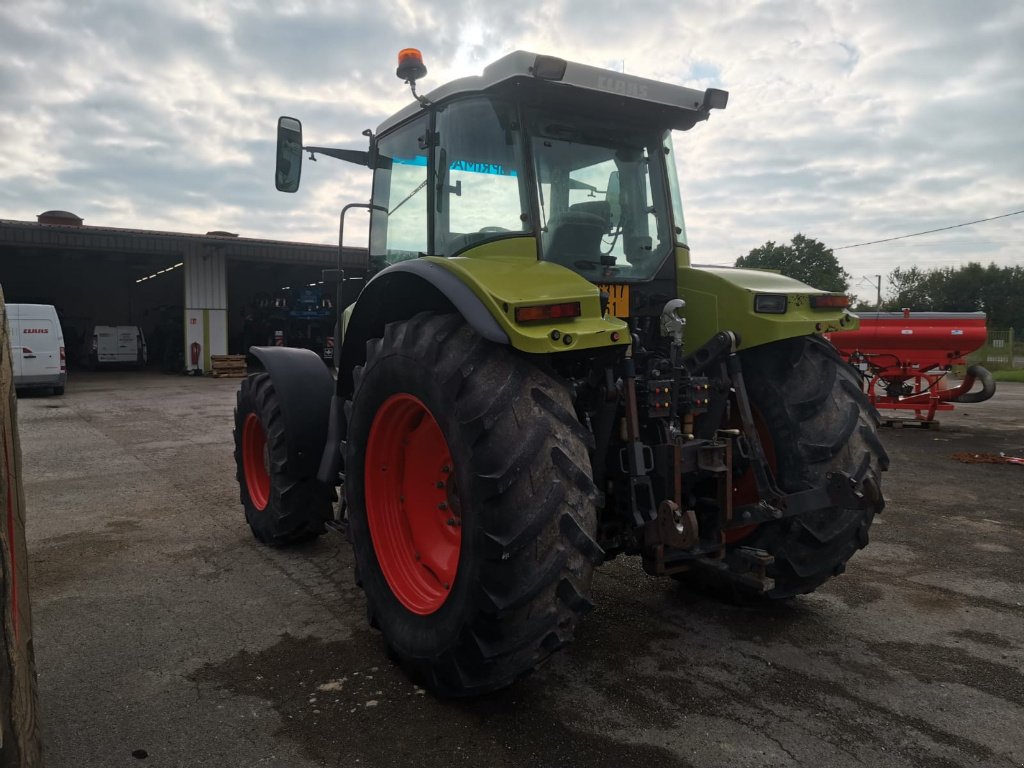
(289, 154)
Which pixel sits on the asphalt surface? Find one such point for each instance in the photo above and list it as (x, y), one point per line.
(166, 636)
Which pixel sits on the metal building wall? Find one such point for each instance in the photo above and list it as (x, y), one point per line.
(205, 267)
(206, 305)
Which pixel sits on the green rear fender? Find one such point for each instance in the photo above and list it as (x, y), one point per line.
(722, 298)
(506, 275)
(486, 285)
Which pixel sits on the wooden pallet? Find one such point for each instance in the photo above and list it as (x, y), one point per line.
(228, 366)
(898, 423)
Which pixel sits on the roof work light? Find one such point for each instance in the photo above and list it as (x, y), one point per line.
(410, 65)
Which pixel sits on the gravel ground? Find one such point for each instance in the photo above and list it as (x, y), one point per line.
(166, 636)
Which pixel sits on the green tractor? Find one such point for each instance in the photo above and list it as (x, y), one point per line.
(534, 379)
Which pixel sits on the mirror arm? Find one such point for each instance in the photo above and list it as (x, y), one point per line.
(348, 155)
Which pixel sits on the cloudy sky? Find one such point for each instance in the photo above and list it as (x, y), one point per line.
(848, 120)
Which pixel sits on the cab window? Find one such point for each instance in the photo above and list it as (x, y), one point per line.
(478, 189)
(398, 228)
(603, 209)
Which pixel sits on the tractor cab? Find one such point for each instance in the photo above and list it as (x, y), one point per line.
(575, 162)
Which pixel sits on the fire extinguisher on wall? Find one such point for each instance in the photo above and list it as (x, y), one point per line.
(194, 357)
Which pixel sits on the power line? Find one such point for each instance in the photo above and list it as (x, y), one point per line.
(929, 231)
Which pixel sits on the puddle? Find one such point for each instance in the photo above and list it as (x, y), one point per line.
(343, 703)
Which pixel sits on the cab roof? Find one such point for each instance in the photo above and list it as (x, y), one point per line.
(534, 78)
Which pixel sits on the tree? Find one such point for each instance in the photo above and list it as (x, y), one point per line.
(1002, 296)
(804, 259)
(910, 289)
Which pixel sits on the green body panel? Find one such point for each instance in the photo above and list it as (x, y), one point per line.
(722, 299)
(506, 274)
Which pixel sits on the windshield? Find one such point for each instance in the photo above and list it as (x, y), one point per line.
(603, 206)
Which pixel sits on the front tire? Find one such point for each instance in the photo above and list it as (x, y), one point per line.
(471, 505)
(817, 421)
(281, 506)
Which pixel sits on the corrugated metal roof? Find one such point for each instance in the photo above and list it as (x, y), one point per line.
(115, 239)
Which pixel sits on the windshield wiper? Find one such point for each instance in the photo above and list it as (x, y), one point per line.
(408, 197)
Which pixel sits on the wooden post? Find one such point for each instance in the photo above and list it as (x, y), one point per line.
(19, 728)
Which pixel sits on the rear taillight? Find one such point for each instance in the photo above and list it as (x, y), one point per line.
(63, 361)
(830, 301)
(549, 312)
(95, 344)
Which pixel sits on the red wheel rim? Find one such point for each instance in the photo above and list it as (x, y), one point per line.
(412, 504)
(254, 461)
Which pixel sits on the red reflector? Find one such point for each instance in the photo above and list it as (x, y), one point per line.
(547, 312)
(830, 301)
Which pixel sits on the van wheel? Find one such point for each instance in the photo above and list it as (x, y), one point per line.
(58, 391)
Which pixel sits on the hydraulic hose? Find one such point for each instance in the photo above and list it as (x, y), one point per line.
(988, 386)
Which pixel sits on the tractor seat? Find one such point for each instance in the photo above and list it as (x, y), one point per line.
(577, 234)
(601, 208)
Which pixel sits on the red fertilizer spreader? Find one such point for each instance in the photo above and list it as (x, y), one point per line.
(905, 356)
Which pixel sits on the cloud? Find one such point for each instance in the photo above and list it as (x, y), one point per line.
(848, 120)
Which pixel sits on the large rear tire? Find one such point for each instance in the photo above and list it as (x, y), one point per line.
(281, 506)
(471, 505)
(817, 421)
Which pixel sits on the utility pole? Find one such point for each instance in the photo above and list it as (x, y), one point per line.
(878, 289)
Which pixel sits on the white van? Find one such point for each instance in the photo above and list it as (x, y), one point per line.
(117, 344)
(37, 347)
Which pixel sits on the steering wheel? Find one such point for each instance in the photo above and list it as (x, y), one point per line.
(488, 230)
